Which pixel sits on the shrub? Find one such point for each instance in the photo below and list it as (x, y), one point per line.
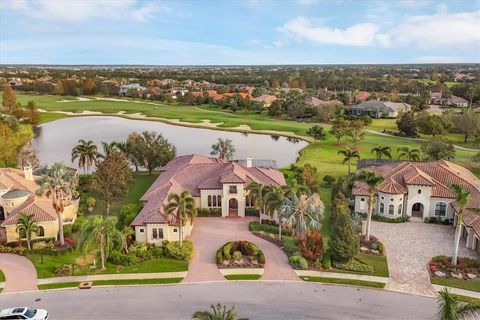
(311, 247)
(173, 250)
(329, 180)
(123, 259)
(245, 247)
(261, 257)
(78, 223)
(157, 251)
(43, 245)
(298, 262)
(289, 246)
(67, 230)
(381, 247)
(344, 242)
(209, 212)
(257, 226)
(353, 265)
(14, 250)
(91, 202)
(140, 249)
(252, 212)
(326, 262)
(237, 255)
(391, 220)
(219, 256)
(64, 270)
(227, 250)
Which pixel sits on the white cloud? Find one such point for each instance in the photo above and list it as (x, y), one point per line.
(82, 10)
(439, 59)
(362, 34)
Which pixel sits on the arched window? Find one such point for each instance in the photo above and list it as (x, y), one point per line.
(209, 201)
(419, 191)
(382, 208)
(400, 209)
(441, 209)
(214, 201)
(41, 232)
(219, 201)
(391, 209)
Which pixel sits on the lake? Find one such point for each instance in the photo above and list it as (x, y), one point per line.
(54, 140)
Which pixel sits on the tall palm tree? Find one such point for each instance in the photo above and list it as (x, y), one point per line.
(462, 197)
(108, 148)
(27, 225)
(60, 183)
(86, 152)
(373, 181)
(219, 312)
(451, 309)
(102, 231)
(349, 154)
(180, 207)
(412, 154)
(224, 148)
(273, 201)
(294, 187)
(303, 213)
(257, 192)
(381, 151)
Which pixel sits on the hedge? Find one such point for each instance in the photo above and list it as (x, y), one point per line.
(209, 212)
(257, 226)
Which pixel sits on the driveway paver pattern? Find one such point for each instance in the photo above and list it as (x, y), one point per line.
(209, 234)
(20, 273)
(410, 246)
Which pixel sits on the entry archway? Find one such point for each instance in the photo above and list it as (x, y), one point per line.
(233, 207)
(417, 210)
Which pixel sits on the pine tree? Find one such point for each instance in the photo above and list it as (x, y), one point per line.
(9, 99)
(344, 243)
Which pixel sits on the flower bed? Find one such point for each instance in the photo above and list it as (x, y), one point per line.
(373, 246)
(466, 268)
(239, 254)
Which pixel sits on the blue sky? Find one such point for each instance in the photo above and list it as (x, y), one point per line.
(238, 32)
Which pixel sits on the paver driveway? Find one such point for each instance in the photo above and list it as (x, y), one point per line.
(409, 248)
(209, 234)
(20, 273)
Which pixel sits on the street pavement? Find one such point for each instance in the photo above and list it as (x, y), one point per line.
(254, 300)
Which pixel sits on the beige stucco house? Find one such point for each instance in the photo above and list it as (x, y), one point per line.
(213, 183)
(18, 195)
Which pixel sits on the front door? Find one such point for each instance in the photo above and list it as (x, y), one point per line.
(233, 208)
(417, 210)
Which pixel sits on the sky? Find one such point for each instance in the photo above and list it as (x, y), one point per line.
(249, 32)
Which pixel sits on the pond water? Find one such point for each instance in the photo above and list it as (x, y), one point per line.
(54, 140)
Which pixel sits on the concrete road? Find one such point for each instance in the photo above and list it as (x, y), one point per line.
(255, 300)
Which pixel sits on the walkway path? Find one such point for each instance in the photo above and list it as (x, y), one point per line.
(409, 247)
(20, 273)
(209, 234)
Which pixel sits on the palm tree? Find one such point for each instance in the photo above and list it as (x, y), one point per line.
(273, 201)
(462, 197)
(86, 152)
(219, 312)
(59, 182)
(373, 181)
(381, 151)
(180, 207)
(102, 231)
(294, 187)
(27, 225)
(412, 154)
(224, 148)
(302, 213)
(348, 154)
(257, 192)
(451, 309)
(108, 148)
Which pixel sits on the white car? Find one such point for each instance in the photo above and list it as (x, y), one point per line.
(23, 313)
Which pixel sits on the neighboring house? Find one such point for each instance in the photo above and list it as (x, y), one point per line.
(14, 82)
(127, 90)
(436, 98)
(362, 96)
(421, 190)
(214, 184)
(18, 195)
(241, 94)
(314, 101)
(266, 99)
(378, 109)
(175, 91)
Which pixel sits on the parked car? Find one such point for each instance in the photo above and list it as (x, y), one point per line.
(24, 313)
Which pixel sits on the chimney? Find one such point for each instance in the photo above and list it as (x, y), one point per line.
(28, 173)
(249, 162)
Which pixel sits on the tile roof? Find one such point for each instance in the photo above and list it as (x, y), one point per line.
(196, 172)
(41, 209)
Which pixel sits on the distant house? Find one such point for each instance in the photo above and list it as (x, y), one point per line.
(14, 82)
(436, 98)
(266, 99)
(242, 87)
(177, 90)
(241, 94)
(362, 96)
(378, 109)
(314, 101)
(127, 90)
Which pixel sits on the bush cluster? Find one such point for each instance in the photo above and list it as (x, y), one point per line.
(252, 212)
(64, 270)
(236, 249)
(353, 265)
(174, 251)
(392, 220)
(209, 212)
(438, 220)
(298, 262)
(14, 250)
(257, 226)
(123, 259)
(289, 246)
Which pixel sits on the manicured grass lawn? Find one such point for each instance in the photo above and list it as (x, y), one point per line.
(345, 281)
(47, 269)
(472, 285)
(58, 285)
(243, 277)
(379, 264)
(126, 282)
(50, 116)
(465, 298)
(2, 276)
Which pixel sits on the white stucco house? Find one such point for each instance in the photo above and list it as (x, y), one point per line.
(420, 190)
(212, 182)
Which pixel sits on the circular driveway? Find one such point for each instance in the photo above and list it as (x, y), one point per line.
(410, 246)
(209, 234)
(20, 273)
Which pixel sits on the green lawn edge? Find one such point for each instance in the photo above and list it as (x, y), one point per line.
(243, 276)
(50, 286)
(351, 282)
(125, 282)
(471, 285)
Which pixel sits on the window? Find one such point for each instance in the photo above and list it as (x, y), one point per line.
(219, 201)
(441, 209)
(214, 201)
(382, 208)
(391, 199)
(391, 209)
(175, 230)
(160, 233)
(383, 198)
(154, 233)
(362, 199)
(209, 201)
(141, 230)
(232, 189)
(400, 209)
(419, 191)
(41, 231)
